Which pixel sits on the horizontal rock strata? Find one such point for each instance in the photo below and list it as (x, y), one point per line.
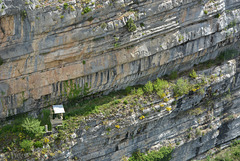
(45, 48)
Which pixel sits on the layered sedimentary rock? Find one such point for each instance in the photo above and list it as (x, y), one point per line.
(45, 48)
(197, 123)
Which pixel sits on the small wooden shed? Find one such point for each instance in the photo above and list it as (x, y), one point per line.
(56, 115)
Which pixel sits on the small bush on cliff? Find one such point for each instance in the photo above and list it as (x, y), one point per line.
(148, 87)
(26, 145)
(161, 85)
(182, 87)
(193, 74)
(32, 127)
(38, 144)
(65, 5)
(131, 26)
(163, 154)
(86, 10)
(23, 14)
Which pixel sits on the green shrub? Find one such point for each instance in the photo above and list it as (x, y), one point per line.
(65, 5)
(180, 38)
(163, 154)
(218, 15)
(61, 16)
(86, 10)
(231, 24)
(125, 102)
(32, 127)
(130, 25)
(205, 12)
(193, 74)
(103, 25)
(173, 75)
(38, 144)
(181, 87)
(116, 102)
(160, 85)
(148, 87)
(138, 91)
(161, 93)
(116, 45)
(71, 8)
(26, 145)
(23, 14)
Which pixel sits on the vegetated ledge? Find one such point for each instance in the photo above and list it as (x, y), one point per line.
(205, 117)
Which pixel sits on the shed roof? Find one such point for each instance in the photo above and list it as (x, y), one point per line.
(58, 109)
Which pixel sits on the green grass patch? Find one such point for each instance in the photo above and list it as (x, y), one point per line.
(163, 154)
(231, 153)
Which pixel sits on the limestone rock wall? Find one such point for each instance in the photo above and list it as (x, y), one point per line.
(191, 131)
(43, 48)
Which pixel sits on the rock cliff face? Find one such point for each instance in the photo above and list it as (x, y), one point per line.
(197, 124)
(46, 47)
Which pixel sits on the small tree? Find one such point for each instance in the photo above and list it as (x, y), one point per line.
(193, 74)
(160, 85)
(32, 127)
(131, 26)
(148, 87)
(182, 87)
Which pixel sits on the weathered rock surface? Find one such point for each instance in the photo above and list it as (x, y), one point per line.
(45, 48)
(197, 123)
